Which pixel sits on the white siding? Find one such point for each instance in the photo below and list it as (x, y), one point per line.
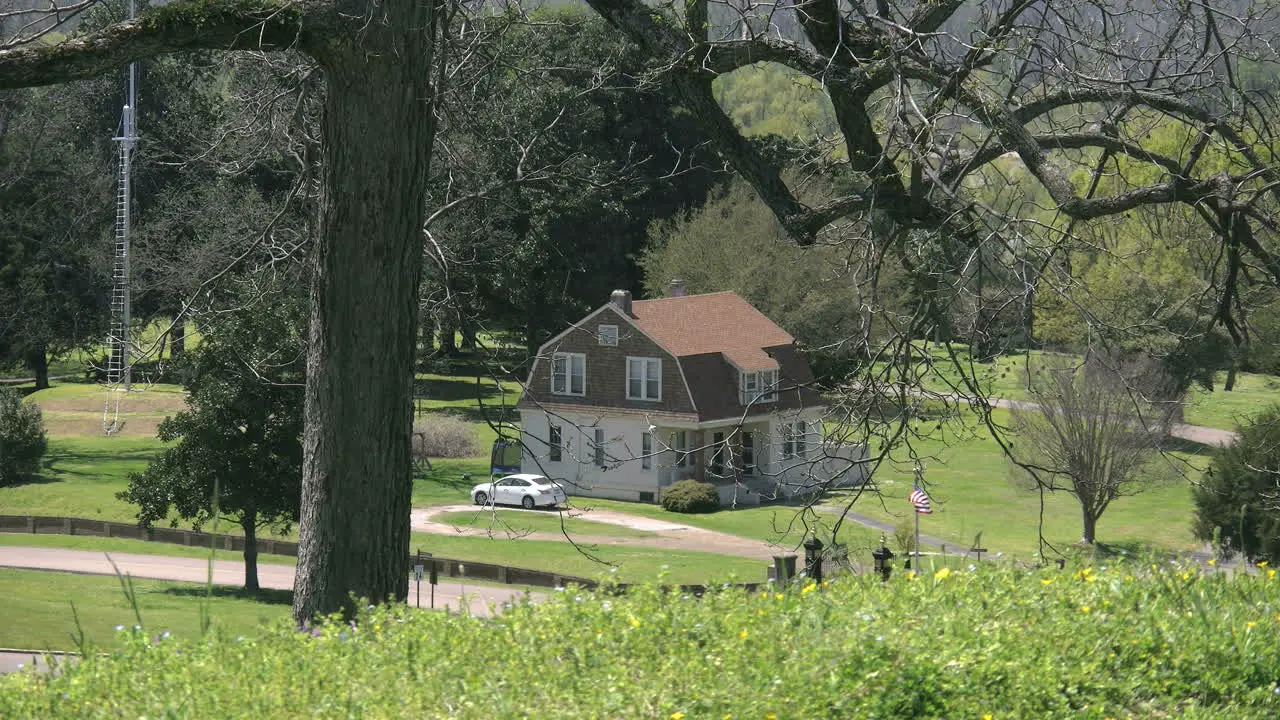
(622, 478)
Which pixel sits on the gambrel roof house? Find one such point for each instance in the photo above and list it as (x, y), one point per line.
(639, 394)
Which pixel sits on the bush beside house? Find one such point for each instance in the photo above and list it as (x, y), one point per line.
(691, 496)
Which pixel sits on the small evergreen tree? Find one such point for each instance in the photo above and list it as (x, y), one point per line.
(1238, 502)
(22, 440)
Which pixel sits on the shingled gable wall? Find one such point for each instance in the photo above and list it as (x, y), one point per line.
(606, 368)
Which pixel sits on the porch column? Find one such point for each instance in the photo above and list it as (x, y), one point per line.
(699, 457)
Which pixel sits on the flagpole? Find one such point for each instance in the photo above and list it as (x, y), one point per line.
(916, 565)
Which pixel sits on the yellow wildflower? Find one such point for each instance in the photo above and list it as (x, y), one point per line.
(942, 574)
(634, 621)
(770, 716)
(1047, 581)
(1212, 562)
(1263, 564)
(743, 634)
(777, 596)
(1250, 625)
(677, 716)
(986, 716)
(1271, 574)
(808, 588)
(1085, 609)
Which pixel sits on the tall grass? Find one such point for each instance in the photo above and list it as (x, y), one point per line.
(1132, 641)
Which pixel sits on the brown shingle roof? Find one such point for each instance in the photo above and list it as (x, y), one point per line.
(713, 323)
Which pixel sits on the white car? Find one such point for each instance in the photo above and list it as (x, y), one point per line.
(528, 490)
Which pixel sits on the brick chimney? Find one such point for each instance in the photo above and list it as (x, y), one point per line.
(677, 288)
(622, 299)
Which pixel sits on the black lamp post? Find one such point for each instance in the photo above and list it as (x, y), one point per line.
(813, 559)
(882, 555)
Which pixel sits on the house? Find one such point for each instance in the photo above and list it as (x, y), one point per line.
(642, 393)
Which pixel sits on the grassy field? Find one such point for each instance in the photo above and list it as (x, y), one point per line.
(501, 522)
(1005, 378)
(975, 491)
(135, 547)
(38, 615)
(633, 564)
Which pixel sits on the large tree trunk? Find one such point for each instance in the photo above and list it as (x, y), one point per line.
(377, 129)
(249, 523)
(1090, 533)
(178, 337)
(448, 330)
(38, 363)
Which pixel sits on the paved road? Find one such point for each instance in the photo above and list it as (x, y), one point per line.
(225, 572)
(1194, 433)
(15, 661)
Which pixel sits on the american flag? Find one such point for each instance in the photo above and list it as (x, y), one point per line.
(920, 500)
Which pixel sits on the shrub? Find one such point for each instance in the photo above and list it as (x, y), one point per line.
(1237, 502)
(1126, 641)
(444, 436)
(691, 496)
(22, 440)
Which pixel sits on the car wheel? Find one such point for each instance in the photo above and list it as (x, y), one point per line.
(527, 502)
(481, 498)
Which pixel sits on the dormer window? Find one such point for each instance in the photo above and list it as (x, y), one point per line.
(758, 387)
(644, 378)
(608, 335)
(569, 374)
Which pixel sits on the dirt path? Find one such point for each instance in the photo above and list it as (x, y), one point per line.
(666, 535)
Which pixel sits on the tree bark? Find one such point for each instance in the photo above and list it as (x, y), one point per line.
(1090, 533)
(377, 129)
(468, 335)
(448, 335)
(249, 523)
(178, 338)
(1230, 384)
(38, 363)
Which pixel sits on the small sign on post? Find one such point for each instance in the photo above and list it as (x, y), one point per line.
(419, 569)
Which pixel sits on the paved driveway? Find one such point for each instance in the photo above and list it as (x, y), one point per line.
(225, 572)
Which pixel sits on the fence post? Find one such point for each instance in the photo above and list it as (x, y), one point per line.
(31, 525)
(67, 527)
(502, 574)
(106, 528)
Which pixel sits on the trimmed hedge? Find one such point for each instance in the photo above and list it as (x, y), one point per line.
(691, 496)
(1003, 643)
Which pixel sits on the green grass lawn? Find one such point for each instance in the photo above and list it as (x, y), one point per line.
(1005, 378)
(634, 564)
(37, 613)
(501, 522)
(136, 547)
(80, 477)
(974, 491)
(1222, 409)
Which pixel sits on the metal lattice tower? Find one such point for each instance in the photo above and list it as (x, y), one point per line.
(119, 378)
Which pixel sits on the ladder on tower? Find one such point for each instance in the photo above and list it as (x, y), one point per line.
(119, 370)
